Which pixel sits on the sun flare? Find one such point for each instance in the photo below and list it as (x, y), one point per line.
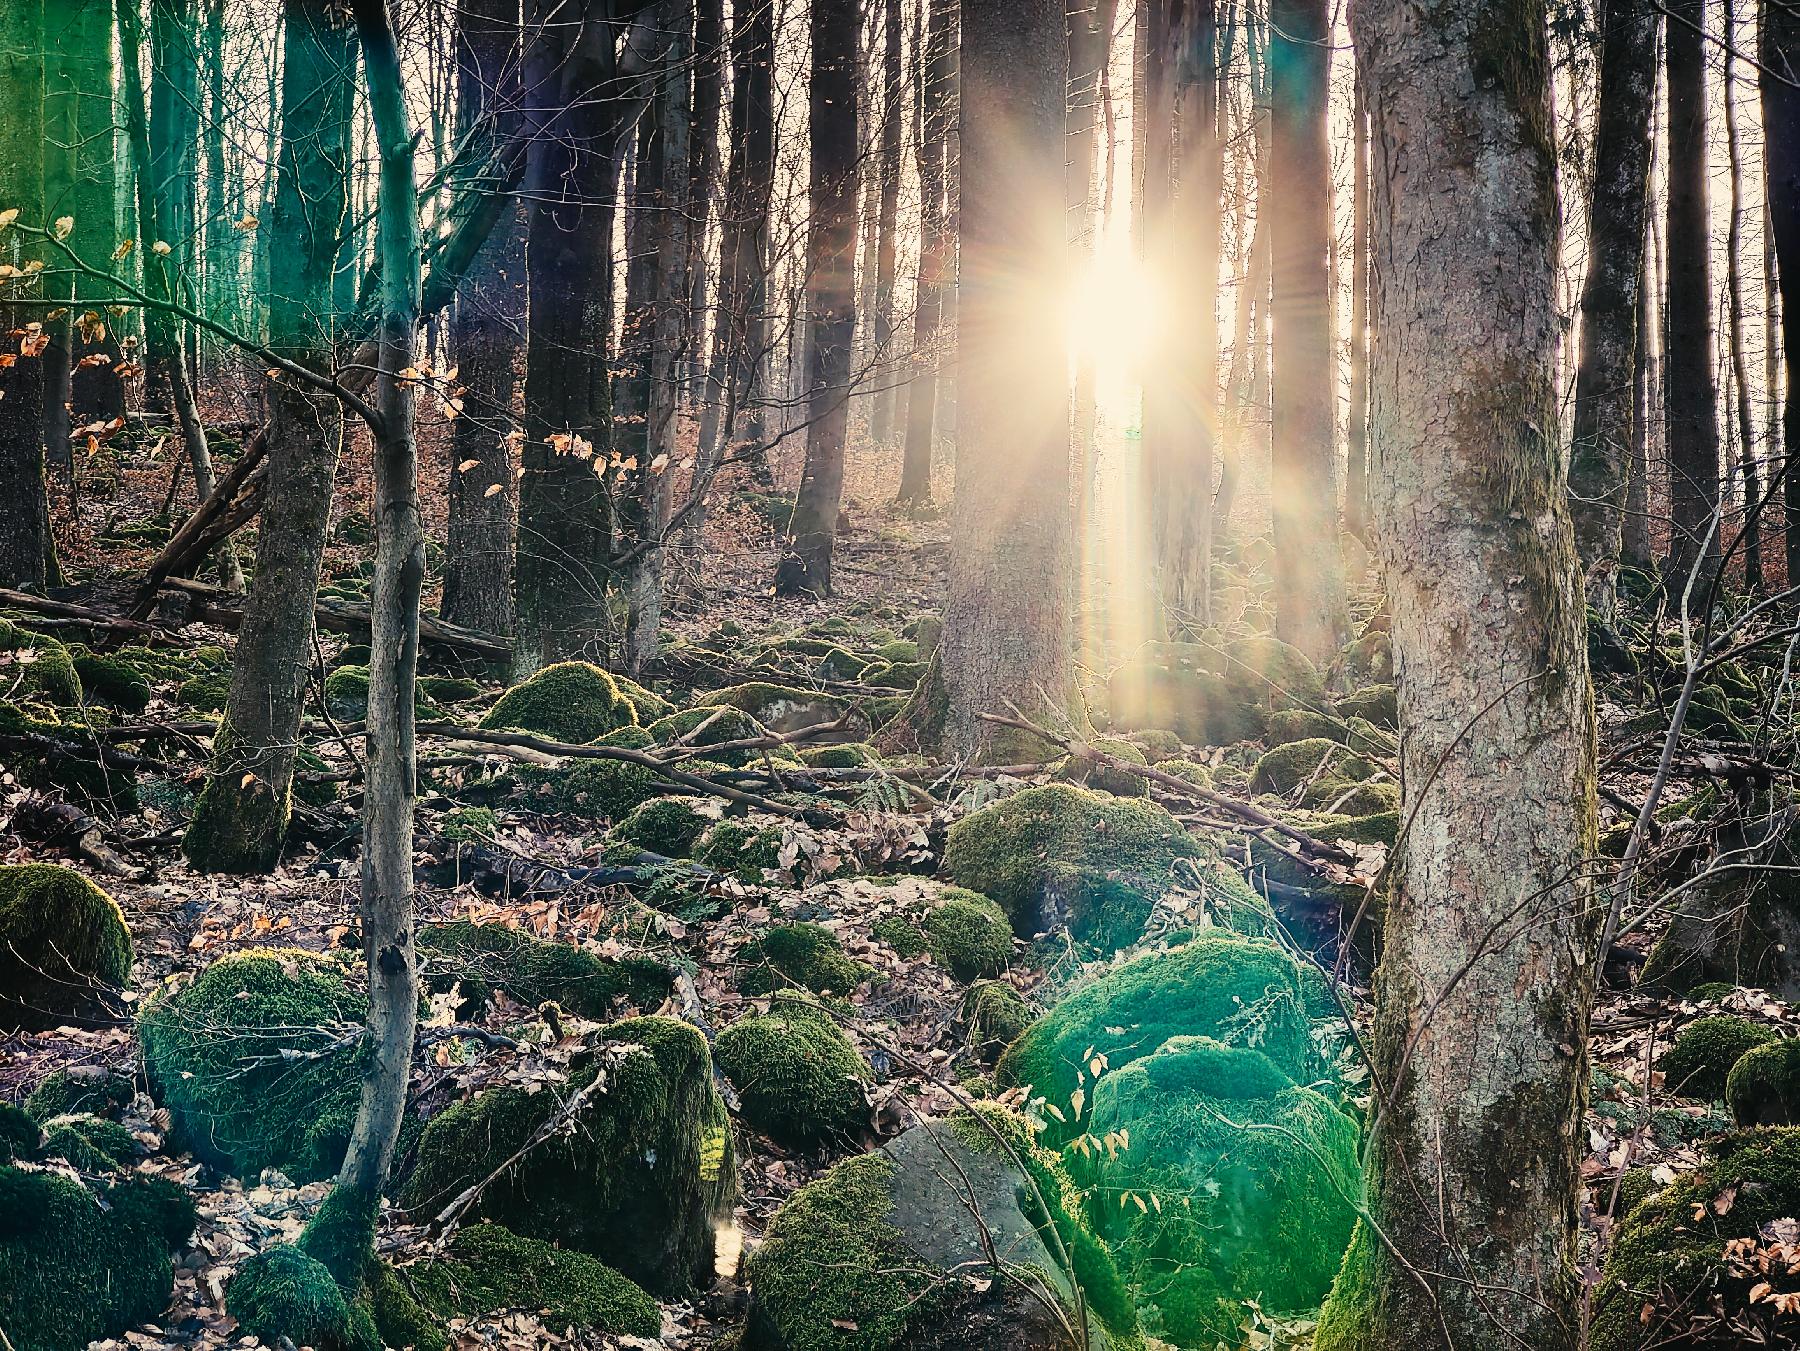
(1115, 311)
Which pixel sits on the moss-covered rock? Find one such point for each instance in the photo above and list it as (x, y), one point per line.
(996, 1015)
(968, 934)
(37, 668)
(1763, 1088)
(476, 959)
(1250, 1185)
(282, 1292)
(799, 1078)
(1286, 767)
(1376, 703)
(1667, 1261)
(709, 726)
(470, 825)
(448, 689)
(112, 679)
(1178, 688)
(1267, 674)
(89, 1144)
(669, 826)
(784, 708)
(848, 755)
(207, 692)
(596, 790)
(64, 948)
(639, 1179)
(1703, 1055)
(1048, 854)
(347, 695)
(804, 955)
(257, 1061)
(573, 701)
(1239, 991)
(91, 1089)
(1091, 771)
(646, 703)
(1282, 868)
(743, 850)
(20, 1134)
(1301, 724)
(79, 1264)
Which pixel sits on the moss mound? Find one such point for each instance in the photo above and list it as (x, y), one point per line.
(733, 847)
(64, 948)
(1376, 703)
(804, 955)
(780, 708)
(347, 695)
(646, 703)
(1703, 1055)
(257, 1062)
(112, 679)
(481, 958)
(1763, 1088)
(1250, 1184)
(638, 1179)
(573, 701)
(848, 755)
(996, 1014)
(282, 1292)
(79, 1089)
(1093, 772)
(596, 790)
(79, 1265)
(36, 668)
(710, 726)
(1286, 767)
(1177, 687)
(207, 692)
(20, 1134)
(448, 689)
(968, 933)
(1666, 1275)
(486, 1268)
(1242, 992)
(669, 826)
(470, 825)
(799, 1077)
(90, 1144)
(1030, 851)
(1268, 674)
(1301, 724)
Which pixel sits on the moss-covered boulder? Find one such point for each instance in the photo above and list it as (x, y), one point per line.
(36, 668)
(800, 1079)
(1301, 724)
(1178, 688)
(448, 689)
(1239, 991)
(1267, 674)
(79, 1264)
(1376, 703)
(646, 703)
(1042, 854)
(20, 1134)
(1763, 1088)
(64, 948)
(885, 1252)
(1667, 1281)
(347, 695)
(283, 1292)
(1250, 1185)
(112, 679)
(91, 1089)
(476, 959)
(257, 1061)
(573, 701)
(802, 955)
(596, 789)
(710, 726)
(669, 826)
(637, 1178)
(968, 934)
(787, 708)
(1091, 771)
(1701, 1060)
(847, 755)
(206, 692)
(1317, 894)
(741, 849)
(88, 1143)
(996, 1015)
(1288, 766)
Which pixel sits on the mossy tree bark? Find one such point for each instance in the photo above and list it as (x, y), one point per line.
(1310, 608)
(1605, 394)
(805, 567)
(486, 338)
(1007, 611)
(1778, 52)
(1486, 976)
(241, 819)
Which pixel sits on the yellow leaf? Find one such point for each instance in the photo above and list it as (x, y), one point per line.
(35, 265)
(161, 248)
(660, 463)
(1055, 1111)
(247, 223)
(1139, 1202)
(8, 216)
(64, 226)
(1077, 1100)
(466, 466)
(492, 488)
(124, 249)
(246, 781)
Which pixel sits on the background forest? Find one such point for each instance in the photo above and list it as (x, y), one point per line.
(844, 675)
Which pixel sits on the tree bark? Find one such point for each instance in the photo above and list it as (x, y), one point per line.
(1310, 608)
(1487, 970)
(1356, 472)
(805, 567)
(240, 820)
(936, 247)
(1007, 612)
(887, 219)
(1750, 541)
(486, 337)
(1692, 406)
(1778, 51)
(1605, 396)
(1089, 39)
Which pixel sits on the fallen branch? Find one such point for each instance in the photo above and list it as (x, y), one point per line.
(80, 614)
(344, 617)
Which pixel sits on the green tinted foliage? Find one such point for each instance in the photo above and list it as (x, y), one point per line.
(479, 958)
(486, 1268)
(806, 955)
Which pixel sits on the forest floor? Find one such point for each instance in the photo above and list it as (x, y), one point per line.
(908, 1025)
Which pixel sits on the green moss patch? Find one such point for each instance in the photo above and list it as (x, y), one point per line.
(1177, 687)
(572, 701)
(669, 826)
(1763, 1088)
(710, 726)
(804, 955)
(476, 959)
(743, 850)
(780, 708)
(1703, 1055)
(798, 1076)
(486, 1269)
(996, 1014)
(64, 948)
(34, 667)
(281, 1292)
(112, 680)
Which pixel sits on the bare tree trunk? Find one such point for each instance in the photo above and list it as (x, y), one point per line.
(703, 182)
(936, 247)
(1635, 548)
(805, 567)
(887, 219)
(1604, 385)
(1089, 44)
(1751, 540)
(1487, 968)
(1007, 612)
(1310, 607)
(1356, 472)
(1778, 50)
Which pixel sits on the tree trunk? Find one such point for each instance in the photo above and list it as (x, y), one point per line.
(887, 218)
(1089, 38)
(936, 247)
(1007, 619)
(486, 338)
(390, 784)
(1310, 609)
(1750, 541)
(805, 567)
(1356, 472)
(240, 820)
(1635, 548)
(1692, 406)
(703, 182)
(1599, 470)
(1778, 51)
(1487, 972)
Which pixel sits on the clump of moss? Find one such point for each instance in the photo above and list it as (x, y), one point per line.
(282, 1292)
(1268, 674)
(258, 1060)
(573, 701)
(996, 1015)
(81, 1088)
(848, 755)
(207, 692)
(1157, 744)
(646, 703)
(79, 1264)
(112, 679)
(1667, 1256)
(1177, 688)
(448, 689)
(90, 1144)
(800, 1079)
(476, 959)
(1243, 1212)
(669, 826)
(1763, 1088)
(596, 790)
(470, 825)
(1024, 850)
(968, 933)
(1703, 1055)
(1711, 990)
(347, 695)
(806, 955)
(1377, 703)
(1287, 766)
(636, 1181)
(780, 708)
(37, 667)
(1301, 724)
(64, 947)
(1242, 992)
(733, 847)
(707, 727)
(1093, 772)
(486, 1268)
(20, 1134)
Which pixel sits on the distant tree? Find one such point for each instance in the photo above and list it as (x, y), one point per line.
(887, 217)
(1778, 51)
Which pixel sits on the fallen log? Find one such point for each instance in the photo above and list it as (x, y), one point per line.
(342, 617)
(81, 615)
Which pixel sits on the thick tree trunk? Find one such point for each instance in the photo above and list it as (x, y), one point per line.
(1692, 406)
(1605, 397)
(1007, 612)
(1778, 50)
(887, 218)
(1487, 971)
(1356, 471)
(1310, 608)
(1635, 547)
(936, 248)
(241, 819)
(486, 338)
(805, 567)
(1750, 542)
